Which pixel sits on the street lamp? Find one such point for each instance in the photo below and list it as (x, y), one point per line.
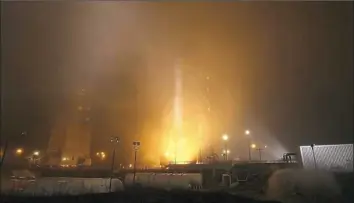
(101, 155)
(260, 152)
(136, 145)
(247, 133)
(35, 155)
(226, 152)
(225, 137)
(114, 140)
(6, 141)
(19, 151)
(250, 147)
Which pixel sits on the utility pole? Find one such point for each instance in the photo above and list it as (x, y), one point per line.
(260, 153)
(114, 141)
(247, 133)
(136, 145)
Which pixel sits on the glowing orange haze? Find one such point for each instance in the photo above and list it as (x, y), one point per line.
(186, 124)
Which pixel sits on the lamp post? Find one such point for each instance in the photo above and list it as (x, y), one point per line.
(136, 145)
(251, 146)
(35, 156)
(114, 141)
(247, 132)
(225, 137)
(225, 153)
(260, 152)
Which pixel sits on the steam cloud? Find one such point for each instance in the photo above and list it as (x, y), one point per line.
(299, 185)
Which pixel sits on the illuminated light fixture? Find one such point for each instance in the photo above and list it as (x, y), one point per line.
(226, 151)
(19, 151)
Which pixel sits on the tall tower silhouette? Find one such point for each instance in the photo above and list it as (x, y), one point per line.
(70, 141)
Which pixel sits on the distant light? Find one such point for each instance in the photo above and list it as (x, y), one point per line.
(253, 146)
(65, 159)
(101, 155)
(79, 108)
(207, 77)
(225, 137)
(265, 146)
(115, 139)
(130, 165)
(167, 154)
(247, 132)
(226, 151)
(19, 151)
(36, 153)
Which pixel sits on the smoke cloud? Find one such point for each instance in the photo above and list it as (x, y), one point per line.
(299, 185)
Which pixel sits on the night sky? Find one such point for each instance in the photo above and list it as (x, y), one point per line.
(289, 66)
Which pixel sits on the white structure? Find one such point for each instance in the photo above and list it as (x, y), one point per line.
(335, 158)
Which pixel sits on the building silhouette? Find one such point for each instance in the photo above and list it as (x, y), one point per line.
(70, 140)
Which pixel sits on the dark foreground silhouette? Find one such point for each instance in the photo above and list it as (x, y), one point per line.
(146, 196)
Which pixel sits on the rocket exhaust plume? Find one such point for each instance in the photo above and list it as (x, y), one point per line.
(177, 109)
(178, 98)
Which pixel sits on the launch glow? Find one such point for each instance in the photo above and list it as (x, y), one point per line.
(180, 144)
